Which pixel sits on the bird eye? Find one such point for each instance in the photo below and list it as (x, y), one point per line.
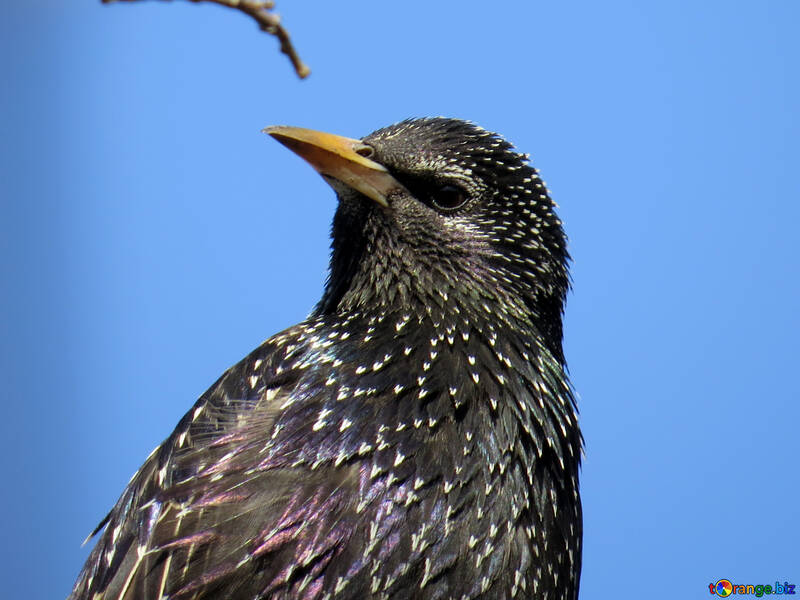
(449, 197)
(365, 151)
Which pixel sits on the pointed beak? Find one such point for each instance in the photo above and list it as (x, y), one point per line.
(341, 158)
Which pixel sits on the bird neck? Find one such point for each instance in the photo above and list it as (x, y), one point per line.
(374, 272)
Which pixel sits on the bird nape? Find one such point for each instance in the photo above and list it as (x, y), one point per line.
(415, 437)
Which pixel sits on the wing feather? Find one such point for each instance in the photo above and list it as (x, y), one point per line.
(211, 508)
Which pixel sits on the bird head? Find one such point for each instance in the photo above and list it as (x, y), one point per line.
(439, 214)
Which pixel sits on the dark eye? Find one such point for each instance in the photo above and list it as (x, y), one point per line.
(364, 150)
(449, 197)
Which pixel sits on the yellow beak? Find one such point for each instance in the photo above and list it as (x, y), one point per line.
(341, 158)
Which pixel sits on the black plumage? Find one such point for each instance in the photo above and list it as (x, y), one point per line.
(415, 437)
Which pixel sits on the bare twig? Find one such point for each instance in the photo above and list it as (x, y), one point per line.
(267, 21)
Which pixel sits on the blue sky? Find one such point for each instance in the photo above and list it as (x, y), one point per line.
(152, 236)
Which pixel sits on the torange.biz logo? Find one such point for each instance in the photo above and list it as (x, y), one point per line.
(725, 588)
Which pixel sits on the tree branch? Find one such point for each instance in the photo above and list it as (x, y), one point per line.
(267, 21)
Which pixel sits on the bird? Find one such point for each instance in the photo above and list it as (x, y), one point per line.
(415, 437)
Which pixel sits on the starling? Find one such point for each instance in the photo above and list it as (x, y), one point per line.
(415, 437)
